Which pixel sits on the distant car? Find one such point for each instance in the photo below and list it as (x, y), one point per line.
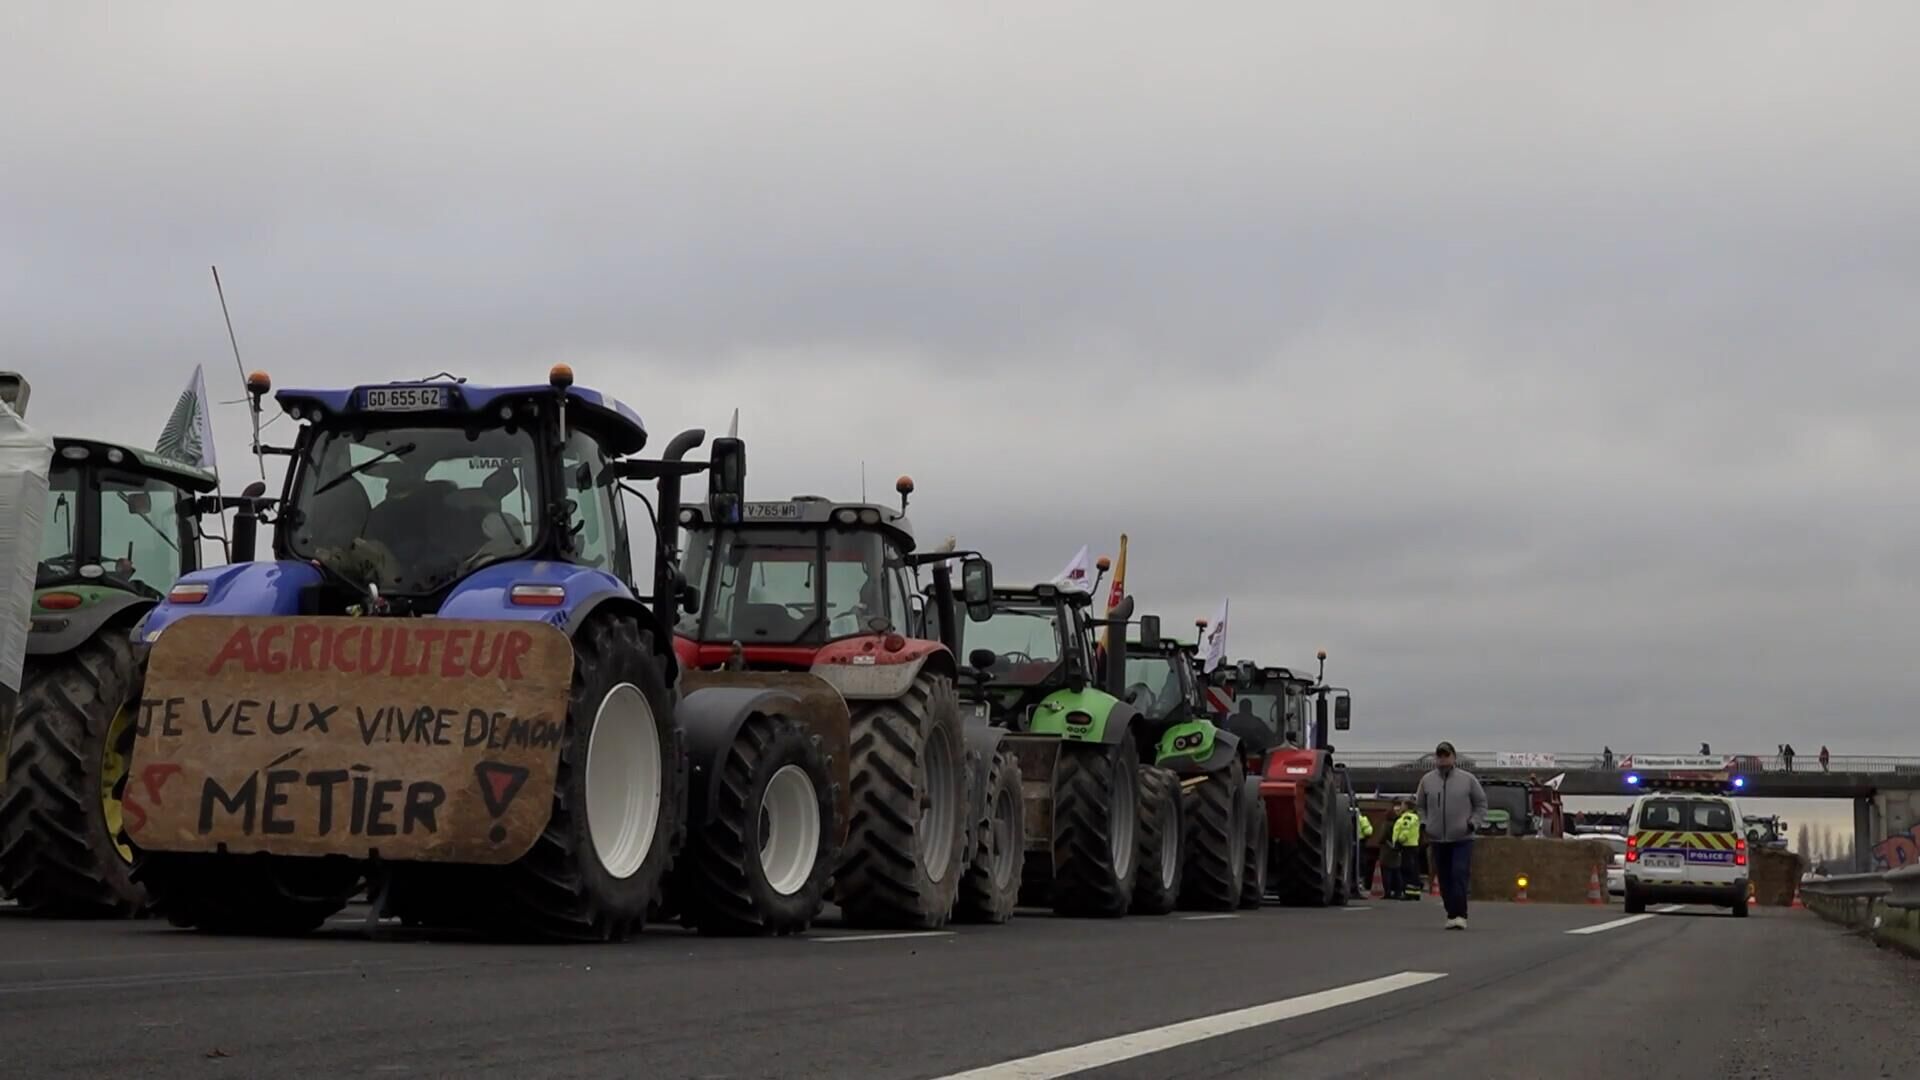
(1686, 848)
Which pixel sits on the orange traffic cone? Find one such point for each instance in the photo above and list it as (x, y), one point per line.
(1379, 890)
(1593, 889)
(1796, 898)
(1520, 889)
(1433, 884)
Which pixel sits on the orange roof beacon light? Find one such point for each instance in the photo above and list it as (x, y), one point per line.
(904, 486)
(259, 384)
(1103, 564)
(560, 376)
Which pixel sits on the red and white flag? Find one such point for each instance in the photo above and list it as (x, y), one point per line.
(1213, 642)
(1078, 575)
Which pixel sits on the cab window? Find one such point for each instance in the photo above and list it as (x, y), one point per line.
(140, 532)
(596, 535)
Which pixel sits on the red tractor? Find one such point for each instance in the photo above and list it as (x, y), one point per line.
(1312, 815)
(820, 598)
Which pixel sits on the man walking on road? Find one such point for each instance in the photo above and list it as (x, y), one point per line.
(1451, 804)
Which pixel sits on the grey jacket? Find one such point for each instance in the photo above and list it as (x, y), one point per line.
(1450, 806)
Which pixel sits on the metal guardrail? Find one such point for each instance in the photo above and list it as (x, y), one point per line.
(1896, 888)
(1772, 763)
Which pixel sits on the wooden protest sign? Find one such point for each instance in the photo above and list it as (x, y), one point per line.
(424, 739)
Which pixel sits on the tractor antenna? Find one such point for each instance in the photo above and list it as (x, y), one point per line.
(253, 399)
(863, 479)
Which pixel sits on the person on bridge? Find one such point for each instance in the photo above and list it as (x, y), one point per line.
(1786, 755)
(1451, 804)
(1824, 759)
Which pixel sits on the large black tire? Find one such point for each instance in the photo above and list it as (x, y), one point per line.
(1253, 886)
(906, 845)
(1216, 841)
(1096, 811)
(990, 887)
(247, 894)
(1310, 874)
(1162, 842)
(721, 885)
(1635, 903)
(58, 852)
(561, 888)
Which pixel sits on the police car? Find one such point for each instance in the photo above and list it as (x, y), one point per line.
(1686, 847)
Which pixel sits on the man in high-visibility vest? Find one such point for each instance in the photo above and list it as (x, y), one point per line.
(1403, 882)
(1368, 856)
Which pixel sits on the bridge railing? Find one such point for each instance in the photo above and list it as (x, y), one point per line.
(1558, 762)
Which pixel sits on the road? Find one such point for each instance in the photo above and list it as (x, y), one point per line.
(1377, 990)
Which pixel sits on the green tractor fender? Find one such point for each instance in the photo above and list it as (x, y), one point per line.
(1196, 748)
(54, 632)
(1091, 715)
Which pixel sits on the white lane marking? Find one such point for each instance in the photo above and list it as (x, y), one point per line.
(1205, 918)
(1120, 1048)
(1668, 908)
(122, 958)
(1600, 928)
(1356, 907)
(884, 937)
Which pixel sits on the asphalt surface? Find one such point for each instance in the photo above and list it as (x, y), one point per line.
(1692, 993)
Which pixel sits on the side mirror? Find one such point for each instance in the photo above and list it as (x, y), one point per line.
(726, 478)
(138, 502)
(1342, 713)
(1149, 632)
(976, 588)
(982, 658)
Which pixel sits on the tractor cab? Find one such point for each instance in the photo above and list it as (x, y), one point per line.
(120, 526)
(1033, 642)
(1281, 707)
(1161, 683)
(400, 492)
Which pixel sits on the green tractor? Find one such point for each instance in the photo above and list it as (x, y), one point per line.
(1102, 824)
(1226, 841)
(120, 527)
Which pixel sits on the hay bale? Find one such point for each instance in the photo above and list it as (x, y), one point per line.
(1775, 875)
(1557, 871)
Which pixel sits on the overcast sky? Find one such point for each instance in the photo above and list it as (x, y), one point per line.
(1552, 366)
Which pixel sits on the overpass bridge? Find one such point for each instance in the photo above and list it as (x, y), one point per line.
(1885, 791)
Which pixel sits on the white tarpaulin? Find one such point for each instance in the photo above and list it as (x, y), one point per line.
(1696, 762)
(1506, 760)
(25, 455)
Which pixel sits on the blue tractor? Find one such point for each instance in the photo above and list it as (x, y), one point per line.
(445, 688)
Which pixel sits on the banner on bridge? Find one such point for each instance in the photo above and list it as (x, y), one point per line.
(1706, 762)
(1506, 760)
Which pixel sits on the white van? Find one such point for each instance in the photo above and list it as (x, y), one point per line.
(1686, 848)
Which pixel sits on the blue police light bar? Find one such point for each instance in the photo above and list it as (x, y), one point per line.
(1633, 779)
(1739, 781)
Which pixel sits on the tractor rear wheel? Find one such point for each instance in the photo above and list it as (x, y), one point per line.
(1311, 875)
(62, 852)
(1162, 845)
(618, 801)
(760, 863)
(990, 888)
(906, 844)
(1096, 812)
(1253, 887)
(1216, 841)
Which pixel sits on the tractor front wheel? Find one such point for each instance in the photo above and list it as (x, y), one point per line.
(62, 852)
(760, 863)
(1096, 811)
(618, 801)
(1216, 841)
(990, 888)
(1313, 872)
(1163, 853)
(1253, 888)
(906, 844)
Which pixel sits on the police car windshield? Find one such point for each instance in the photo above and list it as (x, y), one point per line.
(1686, 815)
(412, 509)
(765, 586)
